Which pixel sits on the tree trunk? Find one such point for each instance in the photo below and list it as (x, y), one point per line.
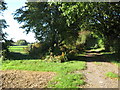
(107, 44)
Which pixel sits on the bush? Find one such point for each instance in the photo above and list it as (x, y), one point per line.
(5, 52)
(116, 48)
(21, 42)
(37, 50)
(72, 53)
(59, 58)
(80, 47)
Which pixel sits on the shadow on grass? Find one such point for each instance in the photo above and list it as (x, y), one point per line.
(20, 56)
(96, 51)
(89, 57)
(97, 58)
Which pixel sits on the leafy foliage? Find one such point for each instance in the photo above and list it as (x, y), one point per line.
(3, 39)
(21, 42)
(37, 50)
(49, 25)
(59, 58)
(101, 18)
(59, 24)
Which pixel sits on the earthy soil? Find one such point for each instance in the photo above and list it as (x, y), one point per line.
(95, 75)
(25, 79)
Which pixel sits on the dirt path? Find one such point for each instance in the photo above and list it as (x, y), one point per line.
(95, 75)
(25, 79)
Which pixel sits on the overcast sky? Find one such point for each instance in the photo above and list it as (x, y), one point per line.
(13, 30)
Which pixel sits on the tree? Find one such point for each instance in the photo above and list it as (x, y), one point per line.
(21, 42)
(2, 21)
(46, 21)
(3, 39)
(60, 23)
(101, 18)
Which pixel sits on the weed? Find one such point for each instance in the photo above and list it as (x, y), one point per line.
(112, 75)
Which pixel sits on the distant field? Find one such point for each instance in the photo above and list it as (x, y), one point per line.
(19, 49)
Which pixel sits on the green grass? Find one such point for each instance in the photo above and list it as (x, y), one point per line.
(67, 81)
(64, 79)
(98, 49)
(106, 53)
(116, 63)
(97, 63)
(112, 75)
(18, 46)
(19, 49)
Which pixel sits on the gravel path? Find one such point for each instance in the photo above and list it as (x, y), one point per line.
(25, 79)
(95, 75)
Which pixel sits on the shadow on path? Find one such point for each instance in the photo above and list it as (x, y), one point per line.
(96, 57)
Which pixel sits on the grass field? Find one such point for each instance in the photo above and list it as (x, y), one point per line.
(19, 49)
(65, 77)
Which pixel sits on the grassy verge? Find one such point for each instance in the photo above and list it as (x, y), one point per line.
(116, 63)
(64, 78)
(98, 49)
(112, 75)
(97, 63)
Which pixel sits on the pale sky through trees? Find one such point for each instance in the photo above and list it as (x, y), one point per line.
(13, 30)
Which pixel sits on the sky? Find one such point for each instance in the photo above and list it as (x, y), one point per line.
(13, 30)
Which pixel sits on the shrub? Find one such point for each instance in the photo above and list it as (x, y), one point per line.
(5, 52)
(80, 47)
(58, 58)
(116, 46)
(72, 53)
(61, 58)
(21, 42)
(37, 50)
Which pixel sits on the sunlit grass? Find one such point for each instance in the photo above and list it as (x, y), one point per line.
(98, 49)
(97, 63)
(112, 75)
(116, 63)
(65, 78)
(18, 46)
(19, 49)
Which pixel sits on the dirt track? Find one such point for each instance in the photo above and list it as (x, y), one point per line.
(25, 79)
(95, 75)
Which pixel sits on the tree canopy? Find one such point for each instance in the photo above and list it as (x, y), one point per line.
(46, 21)
(101, 18)
(59, 23)
(2, 21)
(21, 42)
